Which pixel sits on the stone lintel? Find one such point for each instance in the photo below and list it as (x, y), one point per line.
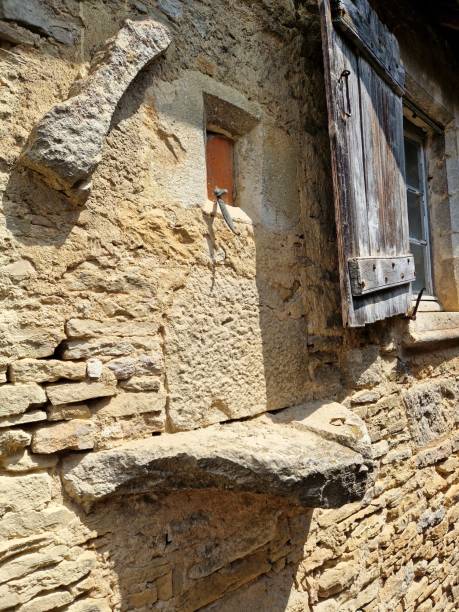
(292, 454)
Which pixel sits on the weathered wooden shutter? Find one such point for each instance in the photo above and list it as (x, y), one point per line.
(365, 82)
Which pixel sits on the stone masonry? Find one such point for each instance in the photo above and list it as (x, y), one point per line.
(184, 423)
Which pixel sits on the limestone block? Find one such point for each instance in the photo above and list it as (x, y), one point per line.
(17, 271)
(13, 440)
(65, 147)
(172, 8)
(28, 417)
(24, 564)
(44, 603)
(127, 404)
(45, 370)
(259, 456)
(366, 368)
(24, 493)
(108, 347)
(330, 420)
(18, 341)
(125, 367)
(429, 408)
(70, 393)
(38, 16)
(71, 435)
(94, 369)
(430, 518)
(24, 522)
(227, 356)
(17, 398)
(337, 578)
(27, 462)
(449, 466)
(89, 328)
(141, 383)
(67, 412)
(17, 35)
(12, 548)
(39, 582)
(90, 605)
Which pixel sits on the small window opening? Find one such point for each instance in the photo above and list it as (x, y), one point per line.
(220, 166)
(418, 217)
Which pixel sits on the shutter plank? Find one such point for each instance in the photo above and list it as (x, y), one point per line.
(360, 24)
(346, 154)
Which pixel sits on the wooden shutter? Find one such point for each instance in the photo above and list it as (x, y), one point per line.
(365, 82)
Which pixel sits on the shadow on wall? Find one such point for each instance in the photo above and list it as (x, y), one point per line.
(37, 214)
(201, 551)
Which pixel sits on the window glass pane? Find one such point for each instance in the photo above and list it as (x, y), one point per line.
(411, 163)
(419, 253)
(415, 216)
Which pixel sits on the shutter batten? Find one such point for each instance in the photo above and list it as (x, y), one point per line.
(364, 81)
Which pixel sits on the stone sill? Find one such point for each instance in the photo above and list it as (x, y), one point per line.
(432, 328)
(315, 455)
(237, 214)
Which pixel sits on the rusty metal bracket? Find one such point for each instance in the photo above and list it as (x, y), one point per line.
(412, 312)
(224, 209)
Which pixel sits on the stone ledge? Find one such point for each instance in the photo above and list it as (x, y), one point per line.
(316, 455)
(432, 328)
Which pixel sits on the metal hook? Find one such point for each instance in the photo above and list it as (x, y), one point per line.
(345, 77)
(224, 210)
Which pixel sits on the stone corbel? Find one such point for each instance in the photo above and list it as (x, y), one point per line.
(65, 147)
(315, 455)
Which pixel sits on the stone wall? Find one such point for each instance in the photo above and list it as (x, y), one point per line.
(137, 313)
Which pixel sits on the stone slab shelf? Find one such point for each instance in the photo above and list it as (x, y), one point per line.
(315, 455)
(432, 328)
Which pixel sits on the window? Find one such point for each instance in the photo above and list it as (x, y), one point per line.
(220, 165)
(418, 218)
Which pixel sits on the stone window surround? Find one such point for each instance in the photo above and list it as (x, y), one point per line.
(266, 155)
(441, 129)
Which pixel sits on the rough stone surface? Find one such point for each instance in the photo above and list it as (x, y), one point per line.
(265, 455)
(39, 16)
(13, 440)
(66, 145)
(94, 369)
(68, 393)
(16, 399)
(76, 434)
(430, 408)
(66, 412)
(45, 370)
(201, 327)
(16, 34)
(32, 416)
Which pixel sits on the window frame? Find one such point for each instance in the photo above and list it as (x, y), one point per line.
(415, 134)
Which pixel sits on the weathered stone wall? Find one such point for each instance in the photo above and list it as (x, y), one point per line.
(140, 313)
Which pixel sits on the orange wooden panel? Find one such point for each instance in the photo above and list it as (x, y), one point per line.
(220, 166)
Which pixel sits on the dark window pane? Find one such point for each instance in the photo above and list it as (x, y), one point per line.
(415, 216)
(419, 253)
(411, 163)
